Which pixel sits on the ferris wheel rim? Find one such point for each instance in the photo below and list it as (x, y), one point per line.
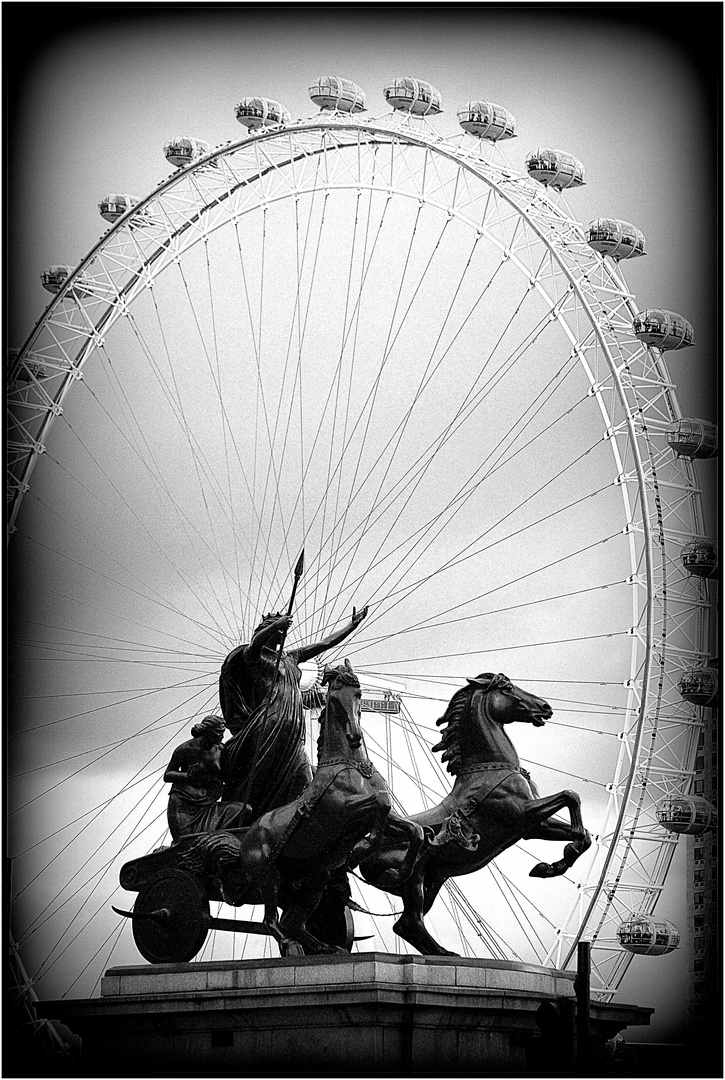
(390, 136)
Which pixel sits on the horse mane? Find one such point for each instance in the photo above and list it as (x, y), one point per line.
(450, 742)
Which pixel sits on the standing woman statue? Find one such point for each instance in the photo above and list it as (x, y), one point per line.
(264, 763)
(196, 783)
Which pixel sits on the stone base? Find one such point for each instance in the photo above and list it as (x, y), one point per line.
(366, 1014)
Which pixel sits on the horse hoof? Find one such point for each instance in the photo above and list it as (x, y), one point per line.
(542, 869)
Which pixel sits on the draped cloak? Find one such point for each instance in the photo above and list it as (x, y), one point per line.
(264, 713)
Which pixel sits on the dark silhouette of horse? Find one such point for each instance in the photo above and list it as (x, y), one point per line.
(493, 805)
(292, 850)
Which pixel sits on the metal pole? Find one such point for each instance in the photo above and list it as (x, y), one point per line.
(582, 985)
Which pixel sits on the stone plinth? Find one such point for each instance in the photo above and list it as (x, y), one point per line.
(367, 1014)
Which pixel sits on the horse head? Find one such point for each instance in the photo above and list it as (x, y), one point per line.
(507, 703)
(343, 708)
(474, 720)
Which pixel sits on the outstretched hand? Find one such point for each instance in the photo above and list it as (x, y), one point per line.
(358, 616)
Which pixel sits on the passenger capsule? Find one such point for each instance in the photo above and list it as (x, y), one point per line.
(648, 936)
(693, 438)
(413, 96)
(184, 150)
(690, 814)
(487, 121)
(259, 112)
(699, 557)
(664, 329)
(112, 207)
(54, 276)
(555, 169)
(615, 238)
(329, 92)
(699, 686)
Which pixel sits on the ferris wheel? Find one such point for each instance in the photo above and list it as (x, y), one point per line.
(396, 349)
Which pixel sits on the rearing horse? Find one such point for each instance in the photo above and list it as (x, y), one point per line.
(346, 804)
(492, 806)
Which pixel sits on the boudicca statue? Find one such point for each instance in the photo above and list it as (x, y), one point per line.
(264, 763)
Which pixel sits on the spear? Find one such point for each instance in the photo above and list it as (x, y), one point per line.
(299, 568)
(297, 575)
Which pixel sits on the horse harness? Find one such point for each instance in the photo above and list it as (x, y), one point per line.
(308, 802)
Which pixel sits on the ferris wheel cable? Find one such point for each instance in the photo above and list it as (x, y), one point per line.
(387, 348)
(402, 425)
(424, 531)
(433, 792)
(337, 380)
(211, 654)
(105, 964)
(517, 912)
(117, 931)
(100, 807)
(37, 923)
(178, 412)
(429, 624)
(65, 779)
(276, 505)
(48, 964)
(389, 344)
(346, 336)
(509, 648)
(123, 701)
(464, 412)
(202, 486)
(121, 645)
(76, 528)
(224, 424)
(148, 460)
(158, 631)
(106, 577)
(118, 742)
(537, 570)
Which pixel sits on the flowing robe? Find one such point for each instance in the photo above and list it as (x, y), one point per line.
(193, 805)
(267, 731)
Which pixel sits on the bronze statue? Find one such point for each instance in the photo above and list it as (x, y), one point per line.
(493, 805)
(286, 857)
(196, 784)
(264, 763)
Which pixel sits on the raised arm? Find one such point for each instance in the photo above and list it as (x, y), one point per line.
(306, 652)
(267, 636)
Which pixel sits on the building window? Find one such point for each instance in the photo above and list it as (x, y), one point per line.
(699, 922)
(699, 899)
(699, 854)
(700, 964)
(699, 877)
(698, 787)
(699, 944)
(699, 763)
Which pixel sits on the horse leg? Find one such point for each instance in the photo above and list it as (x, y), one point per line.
(414, 839)
(418, 895)
(270, 895)
(371, 841)
(293, 923)
(547, 829)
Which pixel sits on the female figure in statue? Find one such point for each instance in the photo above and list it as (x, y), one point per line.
(264, 763)
(196, 784)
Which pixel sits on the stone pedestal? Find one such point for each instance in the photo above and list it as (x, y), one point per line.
(367, 1014)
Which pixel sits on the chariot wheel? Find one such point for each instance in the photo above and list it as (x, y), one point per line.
(170, 918)
(399, 351)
